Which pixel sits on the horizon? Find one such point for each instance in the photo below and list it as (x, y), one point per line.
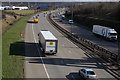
(59, 0)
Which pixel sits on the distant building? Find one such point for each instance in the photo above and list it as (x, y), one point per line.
(2, 8)
(19, 8)
(13, 8)
(7, 8)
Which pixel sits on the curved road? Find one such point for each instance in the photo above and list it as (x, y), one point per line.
(65, 64)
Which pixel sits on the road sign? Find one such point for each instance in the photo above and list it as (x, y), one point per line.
(21, 35)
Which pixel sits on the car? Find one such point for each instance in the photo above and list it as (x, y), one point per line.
(35, 20)
(70, 22)
(59, 14)
(38, 15)
(54, 16)
(88, 74)
(60, 20)
(63, 17)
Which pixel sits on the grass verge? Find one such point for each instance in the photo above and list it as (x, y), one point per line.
(13, 50)
(22, 12)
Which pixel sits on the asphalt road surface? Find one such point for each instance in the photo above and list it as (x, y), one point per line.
(84, 33)
(65, 64)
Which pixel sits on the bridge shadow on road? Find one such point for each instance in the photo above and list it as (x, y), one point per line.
(17, 49)
(26, 49)
(83, 63)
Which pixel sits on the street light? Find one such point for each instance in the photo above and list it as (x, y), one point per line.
(118, 57)
(28, 4)
(72, 17)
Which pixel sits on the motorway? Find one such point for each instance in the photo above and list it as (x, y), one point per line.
(65, 64)
(85, 33)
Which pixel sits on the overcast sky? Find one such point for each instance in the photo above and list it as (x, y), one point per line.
(59, 0)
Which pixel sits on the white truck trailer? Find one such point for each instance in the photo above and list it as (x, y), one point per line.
(109, 33)
(48, 42)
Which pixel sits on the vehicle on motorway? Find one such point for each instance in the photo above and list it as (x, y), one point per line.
(70, 22)
(38, 15)
(59, 13)
(54, 16)
(109, 33)
(60, 20)
(35, 20)
(63, 17)
(48, 42)
(88, 74)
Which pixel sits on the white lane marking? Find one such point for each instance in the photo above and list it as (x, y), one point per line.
(39, 54)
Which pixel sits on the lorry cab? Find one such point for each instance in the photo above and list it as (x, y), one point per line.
(112, 34)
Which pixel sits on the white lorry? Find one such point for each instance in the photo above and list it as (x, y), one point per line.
(48, 42)
(109, 33)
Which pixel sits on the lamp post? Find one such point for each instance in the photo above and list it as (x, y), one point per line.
(118, 57)
(72, 17)
(9, 2)
(28, 4)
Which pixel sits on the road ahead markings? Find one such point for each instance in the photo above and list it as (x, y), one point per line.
(39, 53)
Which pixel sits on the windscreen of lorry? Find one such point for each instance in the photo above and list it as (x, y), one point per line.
(50, 46)
(114, 34)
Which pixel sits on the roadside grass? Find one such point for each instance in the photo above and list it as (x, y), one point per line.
(13, 50)
(23, 12)
(7, 21)
(10, 18)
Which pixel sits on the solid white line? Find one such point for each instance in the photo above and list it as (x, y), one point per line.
(39, 54)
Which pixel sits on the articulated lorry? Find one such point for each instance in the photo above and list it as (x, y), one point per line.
(48, 42)
(109, 33)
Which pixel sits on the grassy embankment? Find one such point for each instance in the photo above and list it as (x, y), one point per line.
(13, 50)
(22, 12)
(10, 17)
